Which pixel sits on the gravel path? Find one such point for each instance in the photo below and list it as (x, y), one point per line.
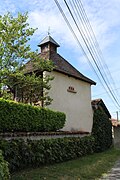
(114, 174)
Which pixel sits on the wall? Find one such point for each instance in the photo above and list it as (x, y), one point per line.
(116, 140)
(39, 135)
(76, 106)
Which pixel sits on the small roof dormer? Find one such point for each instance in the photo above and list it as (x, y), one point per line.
(48, 44)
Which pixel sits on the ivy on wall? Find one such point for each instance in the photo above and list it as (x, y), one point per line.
(101, 131)
(33, 153)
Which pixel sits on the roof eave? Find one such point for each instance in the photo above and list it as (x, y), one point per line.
(48, 39)
(71, 75)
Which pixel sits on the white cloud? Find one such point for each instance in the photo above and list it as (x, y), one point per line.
(104, 17)
(58, 28)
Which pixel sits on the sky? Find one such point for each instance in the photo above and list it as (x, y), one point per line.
(104, 19)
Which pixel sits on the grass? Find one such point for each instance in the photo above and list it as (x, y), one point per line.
(90, 167)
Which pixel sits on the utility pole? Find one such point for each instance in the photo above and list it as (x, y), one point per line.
(117, 115)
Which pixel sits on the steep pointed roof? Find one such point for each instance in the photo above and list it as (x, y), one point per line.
(48, 39)
(61, 65)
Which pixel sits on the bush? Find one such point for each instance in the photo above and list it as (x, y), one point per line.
(4, 171)
(22, 117)
(101, 131)
(21, 154)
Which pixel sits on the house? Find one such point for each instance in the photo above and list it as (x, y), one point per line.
(115, 122)
(116, 132)
(99, 104)
(71, 90)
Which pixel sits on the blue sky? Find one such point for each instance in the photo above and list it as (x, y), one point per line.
(105, 21)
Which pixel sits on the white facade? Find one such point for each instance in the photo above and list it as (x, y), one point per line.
(76, 105)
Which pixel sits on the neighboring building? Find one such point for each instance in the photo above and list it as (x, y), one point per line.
(116, 132)
(115, 122)
(99, 104)
(71, 90)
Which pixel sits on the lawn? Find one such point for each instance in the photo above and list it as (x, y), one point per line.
(90, 167)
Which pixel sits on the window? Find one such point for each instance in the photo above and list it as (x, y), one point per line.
(71, 89)
(45, 48)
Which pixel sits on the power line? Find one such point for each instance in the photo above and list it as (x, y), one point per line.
(75, 36)
(70, 27)
(91, 39)
(105, 92)
(93, 43)
(82, 15)
(91, 54)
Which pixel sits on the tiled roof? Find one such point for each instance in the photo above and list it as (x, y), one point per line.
(96, 101)
(115, 122)
(99, 102)
(61, 65)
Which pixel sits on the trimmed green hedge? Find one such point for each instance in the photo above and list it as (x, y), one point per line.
(102, 131)
(4, 171)
(34, 153)
(22, 117)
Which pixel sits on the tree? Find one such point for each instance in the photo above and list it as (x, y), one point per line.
(29, 88)
(15, 51)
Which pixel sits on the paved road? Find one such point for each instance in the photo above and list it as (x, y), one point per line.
(114, 174)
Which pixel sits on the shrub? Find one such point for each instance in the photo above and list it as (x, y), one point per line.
(23, 117)
(4, 171)
(101, 131)
(21, 154)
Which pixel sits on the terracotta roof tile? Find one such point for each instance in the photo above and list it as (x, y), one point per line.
(115, 122)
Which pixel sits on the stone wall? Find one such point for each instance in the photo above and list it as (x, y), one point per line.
(116, 139)
(41, 135)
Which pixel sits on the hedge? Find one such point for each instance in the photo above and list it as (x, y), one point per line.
(22, 117)
(34, 153)
(101, 131)
(4, 171)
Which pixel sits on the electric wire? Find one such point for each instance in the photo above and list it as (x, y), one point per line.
(92, 43)
(105, 92)
(82, 15)
(89, 38)
(85, 31)
(92, 54)
(75, 36)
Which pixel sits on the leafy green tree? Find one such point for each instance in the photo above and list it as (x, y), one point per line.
(15, 51)
(29, 88)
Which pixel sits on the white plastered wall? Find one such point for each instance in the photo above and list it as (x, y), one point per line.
(76, 106)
